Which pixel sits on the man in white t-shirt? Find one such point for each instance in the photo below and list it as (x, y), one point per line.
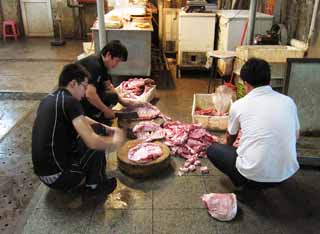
(269, 130)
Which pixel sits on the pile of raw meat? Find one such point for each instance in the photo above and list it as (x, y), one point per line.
(147, 111)
(134, 88)
(209, 112)
(185, 140)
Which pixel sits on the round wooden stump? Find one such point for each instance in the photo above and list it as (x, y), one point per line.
(146, 169)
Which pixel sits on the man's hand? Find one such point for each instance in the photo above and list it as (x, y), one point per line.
(222, 139)
(108, 113)
(118, 136)
(109, 86)
(149, 81)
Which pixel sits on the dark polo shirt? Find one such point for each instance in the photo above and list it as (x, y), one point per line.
(53, 135)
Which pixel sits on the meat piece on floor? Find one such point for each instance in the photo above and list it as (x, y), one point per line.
(221, 206)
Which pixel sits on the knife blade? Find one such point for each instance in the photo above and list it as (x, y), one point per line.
(126, 114)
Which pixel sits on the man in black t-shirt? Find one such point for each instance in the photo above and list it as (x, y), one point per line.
(100, 94)
(67, 146)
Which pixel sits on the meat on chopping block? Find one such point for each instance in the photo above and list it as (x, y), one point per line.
(144, 152)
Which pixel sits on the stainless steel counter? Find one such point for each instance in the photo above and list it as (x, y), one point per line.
(138, 43)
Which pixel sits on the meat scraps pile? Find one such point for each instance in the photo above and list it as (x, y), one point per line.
(185, 140)
(209, 112)
(134, 88)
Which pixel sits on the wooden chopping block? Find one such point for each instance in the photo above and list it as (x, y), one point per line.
(146, 169)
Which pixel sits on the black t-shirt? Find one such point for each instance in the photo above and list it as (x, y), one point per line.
(98, 71)
(53, 135)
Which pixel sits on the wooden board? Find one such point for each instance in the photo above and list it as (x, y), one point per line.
(146, 169)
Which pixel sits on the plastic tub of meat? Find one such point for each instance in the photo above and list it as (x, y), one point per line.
(142, 170)
(135, 88)
(204, 112)
(145, 96)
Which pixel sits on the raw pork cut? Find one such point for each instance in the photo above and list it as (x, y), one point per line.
(147, 111)
(133, 88)
(222, 206)
(144, 152)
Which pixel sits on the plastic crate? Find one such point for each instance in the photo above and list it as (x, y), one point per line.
(204, 101)
(147, 97)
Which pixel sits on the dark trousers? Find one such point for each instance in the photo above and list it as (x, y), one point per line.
(224, 158)
(108, 98)
(86, 163)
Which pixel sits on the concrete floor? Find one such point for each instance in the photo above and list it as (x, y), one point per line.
(167, 204)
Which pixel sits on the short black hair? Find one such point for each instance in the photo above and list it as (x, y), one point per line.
(116, 49)
(73, 71)
(256, 72)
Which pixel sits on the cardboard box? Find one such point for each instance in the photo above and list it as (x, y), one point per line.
(204, 101)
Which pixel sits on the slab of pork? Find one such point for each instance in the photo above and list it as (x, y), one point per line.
(221, 206)
(144, 152)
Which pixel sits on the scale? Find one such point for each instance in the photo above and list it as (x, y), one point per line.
(200, 6)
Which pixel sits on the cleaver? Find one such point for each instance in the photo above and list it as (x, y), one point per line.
(126, 114)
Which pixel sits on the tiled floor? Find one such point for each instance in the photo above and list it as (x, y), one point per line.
(167, 204)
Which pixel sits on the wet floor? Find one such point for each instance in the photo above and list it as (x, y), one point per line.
(163, 204)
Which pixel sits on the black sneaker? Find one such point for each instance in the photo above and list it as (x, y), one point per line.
(246, 195)
(105, 187)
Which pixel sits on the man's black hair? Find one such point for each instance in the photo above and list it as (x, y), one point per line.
(116, 49)
(256, 72)
(73, 71)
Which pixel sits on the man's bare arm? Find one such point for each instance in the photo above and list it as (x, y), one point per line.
(94, 99)
(93, 140)
(230, 139)
(131, 103)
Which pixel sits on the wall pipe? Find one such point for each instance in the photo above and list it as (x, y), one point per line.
(102, 31)
(313, 20)
(252, 19)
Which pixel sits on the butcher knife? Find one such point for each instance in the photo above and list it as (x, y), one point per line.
(126, 114)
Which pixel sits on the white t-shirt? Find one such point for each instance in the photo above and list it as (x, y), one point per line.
(269, 124)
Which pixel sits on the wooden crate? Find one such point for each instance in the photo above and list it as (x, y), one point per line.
(204, 101)
(270, 53)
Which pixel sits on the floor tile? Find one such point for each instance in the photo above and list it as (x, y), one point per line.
(130, 195)
(62, 221)
(121, 222)
(183, 221)
(179, 192)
